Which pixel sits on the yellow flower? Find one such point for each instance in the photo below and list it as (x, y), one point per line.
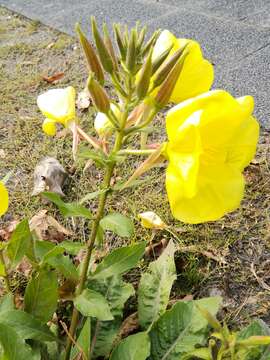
(197, 75)
(151, 220)
(3, 199)
(212, 138)
(58, 105)
(102, 124)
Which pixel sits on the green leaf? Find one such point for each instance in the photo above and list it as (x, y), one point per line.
(2, 269)
(54, 252)
(42, 247)
(134, 347)
(27, 327)
(64, 265)
(155, 287)
(6, 303)
(72, 248)
(41, 295)
(119, 261)
(116, 292)
(14, 346)
(201, 353)
(180, 329)
(92, 195)
(84, 341)
(19, 243)
(92, 303)
(68, 209)
(119, 224)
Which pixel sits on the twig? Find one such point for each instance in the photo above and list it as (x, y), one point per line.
(260, 281)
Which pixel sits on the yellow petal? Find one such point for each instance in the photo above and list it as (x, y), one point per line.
(3, 199)
(164, 41)
(220, 190)
(151, 220)
(58, 104)
(49, 127)
(102, 124)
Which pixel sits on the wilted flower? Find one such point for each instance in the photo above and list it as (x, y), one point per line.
(212, 138)
(151, 220)
(197, 74)
(3, 199)
(102, 124)
(58, 105)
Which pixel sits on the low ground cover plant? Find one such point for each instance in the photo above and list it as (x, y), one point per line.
(212, 137)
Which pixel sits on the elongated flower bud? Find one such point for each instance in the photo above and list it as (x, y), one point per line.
(131, 52)
(98, 95)
(151, 42)
(104, 55)
(141, 37)
(160, 59)
(91, 57)
(145, 76)
(164, 70)
(168, 85)
(119, 40)
(109, 45)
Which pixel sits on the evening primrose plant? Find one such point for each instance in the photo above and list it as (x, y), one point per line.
(211, 138)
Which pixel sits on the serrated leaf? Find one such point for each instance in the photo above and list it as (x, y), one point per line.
(119, 224)
(134, 347)
(155, 287)
(92, 303)
(84, 341)
(68, 209)
(116, 292)
(19, 243)
(14, 346)
(177, 332)
(27, 327)
(119, 261)
(41, 295)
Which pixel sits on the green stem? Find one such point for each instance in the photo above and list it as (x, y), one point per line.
(6, 278)
(136, 152)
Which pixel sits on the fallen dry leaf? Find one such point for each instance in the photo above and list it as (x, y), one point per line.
(47, 228)
(53, 78)
(6, 232)
(130, 324)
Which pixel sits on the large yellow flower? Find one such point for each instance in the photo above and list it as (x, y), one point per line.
(3, 199)
(212, 138)
(58, 105)
(197, 75)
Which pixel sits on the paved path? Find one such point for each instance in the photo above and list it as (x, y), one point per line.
(234, 34)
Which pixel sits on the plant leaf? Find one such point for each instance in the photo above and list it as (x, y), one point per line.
(6, 303)
(119, 224)
(116, 292)
(119, 261)
(19, 243)
(72, 247)
(84, 341)
(14, 346)
(41, 295)
(155, 287)
(177, 332)
(27, 327)
(68, 209)
(92, 303)
(134, 347)
(64, 265)
(92, 195)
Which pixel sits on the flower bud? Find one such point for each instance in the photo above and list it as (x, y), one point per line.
(166, 89)
(119, 40)
(161, 58)
(109, 45)
(151, 220)
(164, 70)
(98, 95)
(91, 57)
(131, 52)
(144, 77)
(104, 55)
(151, 42)
(141, 37)
(49, 127)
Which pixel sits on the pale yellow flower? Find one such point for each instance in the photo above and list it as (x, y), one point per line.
(3, 199)
(151, 220)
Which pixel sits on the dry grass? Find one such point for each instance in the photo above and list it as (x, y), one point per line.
(30, 50)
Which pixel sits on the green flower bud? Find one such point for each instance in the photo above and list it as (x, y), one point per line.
(104, 55)
(151, 42)
(109, 46)
(160, 59)
(167, 87)
(91, 57)
(98, 95)
(144, 77)
(164, 70)
(141, 38)
(120, 42)
(131, 52)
